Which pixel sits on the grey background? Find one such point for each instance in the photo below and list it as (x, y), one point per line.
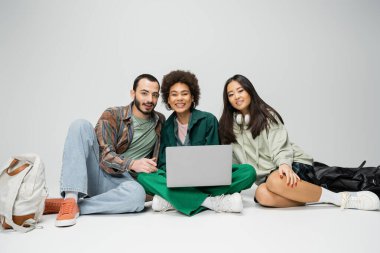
(316, 62)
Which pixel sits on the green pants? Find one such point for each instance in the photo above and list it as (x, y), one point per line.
(188, 200)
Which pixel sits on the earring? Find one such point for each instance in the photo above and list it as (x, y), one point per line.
(193, 104)
(168, 107)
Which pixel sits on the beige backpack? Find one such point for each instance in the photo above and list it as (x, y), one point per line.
(22, 192)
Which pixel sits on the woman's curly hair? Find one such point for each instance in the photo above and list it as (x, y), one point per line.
(180, 76)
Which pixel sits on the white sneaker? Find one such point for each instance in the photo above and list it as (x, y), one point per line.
(227, 203)
(161, 205)
(363, 200)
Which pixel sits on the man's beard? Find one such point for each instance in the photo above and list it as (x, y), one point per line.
(138, 106)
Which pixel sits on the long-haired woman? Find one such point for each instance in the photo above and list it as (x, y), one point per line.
(284, 170)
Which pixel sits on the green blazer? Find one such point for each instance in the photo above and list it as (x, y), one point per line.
(202, 130)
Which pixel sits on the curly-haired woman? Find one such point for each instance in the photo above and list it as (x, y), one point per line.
(185, 127)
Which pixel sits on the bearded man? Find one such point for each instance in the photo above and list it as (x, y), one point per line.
(99, 164)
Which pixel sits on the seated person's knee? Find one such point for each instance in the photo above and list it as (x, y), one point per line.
(274, 182)
(263, 196)
(80, 124)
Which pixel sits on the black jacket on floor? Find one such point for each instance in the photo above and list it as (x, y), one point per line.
(338, 179)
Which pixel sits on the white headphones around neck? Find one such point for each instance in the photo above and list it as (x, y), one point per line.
(239, 119)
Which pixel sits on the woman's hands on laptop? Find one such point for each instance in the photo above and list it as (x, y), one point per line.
(144, 165)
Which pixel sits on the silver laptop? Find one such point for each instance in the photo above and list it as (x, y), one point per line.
(188, 166)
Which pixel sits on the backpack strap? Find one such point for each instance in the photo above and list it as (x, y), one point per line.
(26, 226)
(29, 222)
(14, 172)
(362, 164)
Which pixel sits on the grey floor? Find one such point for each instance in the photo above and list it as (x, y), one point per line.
(316, 228)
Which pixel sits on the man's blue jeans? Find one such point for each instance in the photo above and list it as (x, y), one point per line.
(81, 173)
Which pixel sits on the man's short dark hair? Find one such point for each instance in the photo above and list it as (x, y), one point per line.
(146, 76)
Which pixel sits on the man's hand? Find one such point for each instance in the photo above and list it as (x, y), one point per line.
(144, 165)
